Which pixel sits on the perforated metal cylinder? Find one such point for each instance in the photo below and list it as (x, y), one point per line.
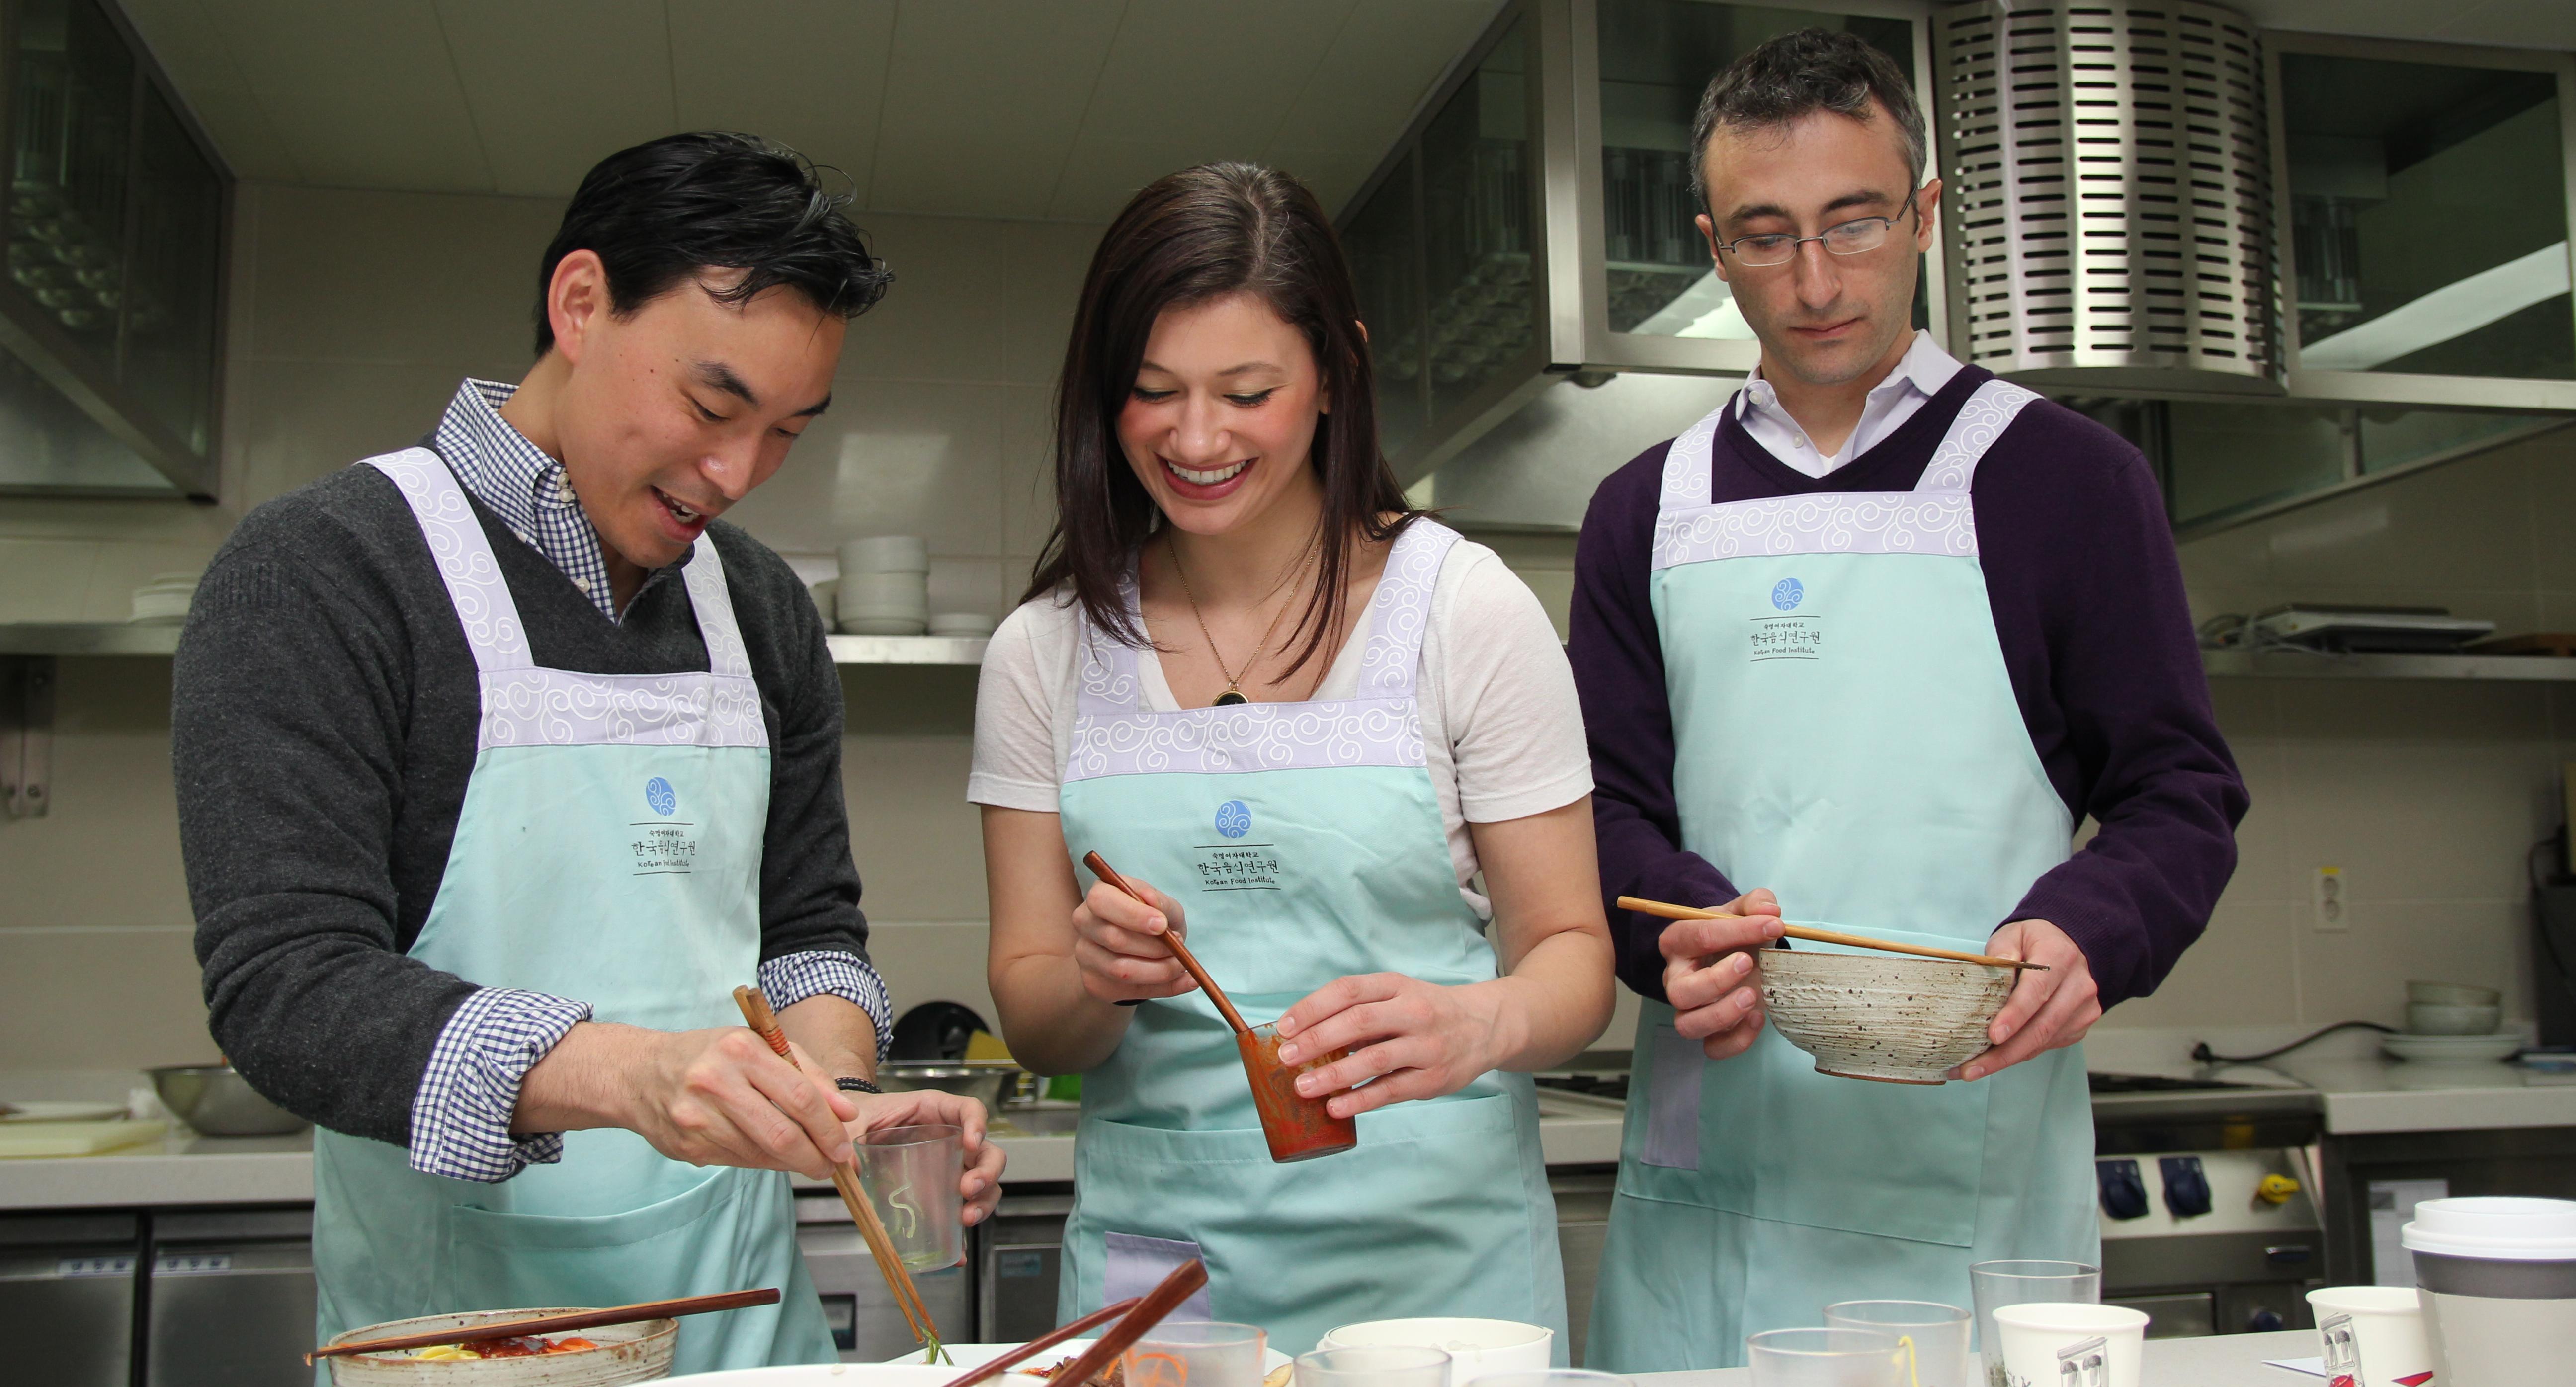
(2109, 193)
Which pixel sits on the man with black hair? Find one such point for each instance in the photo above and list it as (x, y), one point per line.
(1861, 648)
(502, 761)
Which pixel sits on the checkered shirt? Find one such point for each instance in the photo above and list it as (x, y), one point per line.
(469, 1094)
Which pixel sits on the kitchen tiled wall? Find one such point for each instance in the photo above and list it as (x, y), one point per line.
(357, 311)
(355, 314)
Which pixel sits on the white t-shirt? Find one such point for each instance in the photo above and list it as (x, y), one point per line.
(1502, 733)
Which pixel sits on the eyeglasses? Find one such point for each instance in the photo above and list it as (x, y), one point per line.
(1856, 237)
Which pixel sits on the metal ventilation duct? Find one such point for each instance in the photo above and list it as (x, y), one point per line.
(2109, 193)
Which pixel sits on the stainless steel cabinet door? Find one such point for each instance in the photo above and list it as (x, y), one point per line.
(67, 1299)
(238, 1314)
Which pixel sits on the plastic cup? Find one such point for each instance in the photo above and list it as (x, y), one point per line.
(1825, 1358)
(1993, 1285)
(911, 1176)
(2373, 1335)
(1477, 1349)
(1198, 1353)
(1373, 1367)
(2071, 1344)
(1299, 1128)
(1934, 1337)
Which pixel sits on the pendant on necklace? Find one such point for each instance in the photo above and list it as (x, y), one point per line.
(1229, 698)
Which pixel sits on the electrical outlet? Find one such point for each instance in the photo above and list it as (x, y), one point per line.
(2326, 896)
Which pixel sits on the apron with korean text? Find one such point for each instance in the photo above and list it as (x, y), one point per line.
(1304, 841)
(608, 851)
(1845, 733)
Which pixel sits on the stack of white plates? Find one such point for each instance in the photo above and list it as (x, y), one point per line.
(165, 599)
(973, 624)
(885, 586)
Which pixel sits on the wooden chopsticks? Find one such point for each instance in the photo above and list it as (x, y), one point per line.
(845, 1178)
(1151, 1309)
(555, 1324)
(1180, 950)
(1034, 1347)
(1828, 936)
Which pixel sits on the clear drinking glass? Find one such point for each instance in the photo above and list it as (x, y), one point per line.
(1373, 1367)
(1996, 1284)
(1825, 1358)
(911, 1176)
(1936, 1335)
(1199, 1353)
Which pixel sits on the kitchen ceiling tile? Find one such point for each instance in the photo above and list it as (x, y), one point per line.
(557, 87)
(1379, 68)
(191, 51)
(1219, 71)
(809, 74)
(983, 99)
(1101, 175)
(363, 95)
(1331, 174)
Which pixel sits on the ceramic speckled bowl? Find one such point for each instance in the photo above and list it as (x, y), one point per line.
(626, 1353)
(1887, 1017)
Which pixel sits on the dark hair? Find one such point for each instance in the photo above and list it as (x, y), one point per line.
(1193, 236)
(669, 209)
(1796, 75)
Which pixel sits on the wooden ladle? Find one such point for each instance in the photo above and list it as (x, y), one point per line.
(1828, 936)
(1172, 940)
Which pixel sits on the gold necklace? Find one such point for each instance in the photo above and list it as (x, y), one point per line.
(1233, 682)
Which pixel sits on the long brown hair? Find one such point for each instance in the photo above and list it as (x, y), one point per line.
(1192, 236)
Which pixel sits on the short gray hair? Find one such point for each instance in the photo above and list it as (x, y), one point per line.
(1796, 75)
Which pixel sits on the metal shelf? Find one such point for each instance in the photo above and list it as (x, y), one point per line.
(89, 638)
(2290, 664)
(162, 638)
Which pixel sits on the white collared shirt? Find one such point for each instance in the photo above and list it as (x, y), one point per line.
(1919, 375)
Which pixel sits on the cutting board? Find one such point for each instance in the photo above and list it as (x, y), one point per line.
(76, 1138)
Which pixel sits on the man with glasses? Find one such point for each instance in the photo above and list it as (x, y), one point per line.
(1862, 648)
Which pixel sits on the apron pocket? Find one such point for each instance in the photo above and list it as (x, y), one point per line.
(1138, 1264)
(497, 1259)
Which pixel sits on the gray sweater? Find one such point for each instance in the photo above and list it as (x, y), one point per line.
(323, 721)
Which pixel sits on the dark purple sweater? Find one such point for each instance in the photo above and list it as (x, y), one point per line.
(2088, 605)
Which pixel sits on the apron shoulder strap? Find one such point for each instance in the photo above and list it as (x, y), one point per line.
(1400, 612)
(1981, 421)
(464, 557)
(1106, 681)
(717, 624)
(1687, 480)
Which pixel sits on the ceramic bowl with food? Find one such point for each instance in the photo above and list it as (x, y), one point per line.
(622, 1353)
(1888, 1017)
(217, 1101)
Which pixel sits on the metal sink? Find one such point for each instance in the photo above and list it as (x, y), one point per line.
(1037, 1120)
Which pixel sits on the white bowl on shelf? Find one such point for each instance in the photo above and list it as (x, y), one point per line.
(2457, 994)
(885, 554)
(974, 625)
(2447, 1018)
(2452, 1049)
(884, 626)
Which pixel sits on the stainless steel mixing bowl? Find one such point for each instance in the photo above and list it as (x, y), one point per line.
(217, 1101)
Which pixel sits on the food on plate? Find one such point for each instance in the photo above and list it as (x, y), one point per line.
(525, 1346)
(1115, 1375)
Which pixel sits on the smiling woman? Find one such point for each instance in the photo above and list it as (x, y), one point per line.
(1328, 740)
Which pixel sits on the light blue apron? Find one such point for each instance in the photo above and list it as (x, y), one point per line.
(1304, 841)
(608, 851)
(1845, 733)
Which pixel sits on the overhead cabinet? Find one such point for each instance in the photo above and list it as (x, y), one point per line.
(114, 228)
(2284, 264)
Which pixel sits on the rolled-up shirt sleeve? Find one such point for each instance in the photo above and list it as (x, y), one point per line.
(792, 978)
(1619, 673)
(461, 1113)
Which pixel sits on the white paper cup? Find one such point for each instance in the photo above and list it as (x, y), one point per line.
(2373, 1333)
(2498, 1277)
(1476, 1348)
(2064, 1344)
(886, 554)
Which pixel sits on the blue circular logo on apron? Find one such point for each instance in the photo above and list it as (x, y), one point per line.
(1787, 593)
(1232, 819)
(659, 794)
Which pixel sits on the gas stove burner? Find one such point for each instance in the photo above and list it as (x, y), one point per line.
(2157, 1083)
